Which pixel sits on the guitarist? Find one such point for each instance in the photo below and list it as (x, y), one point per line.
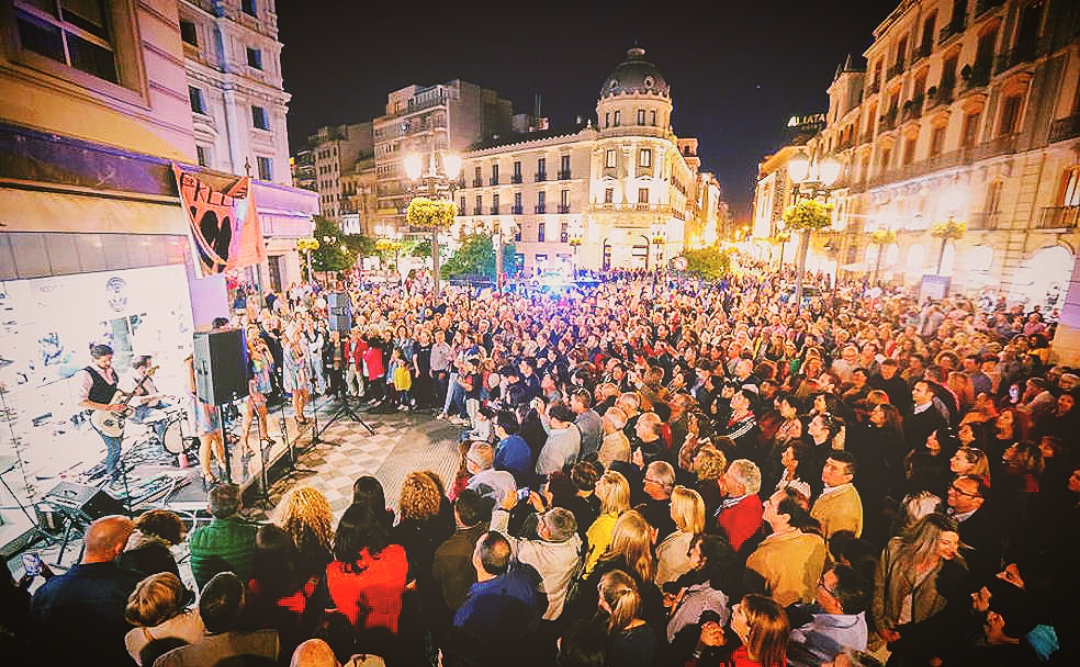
(147, 398)
(96, 387)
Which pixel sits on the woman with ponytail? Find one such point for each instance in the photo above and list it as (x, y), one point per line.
(633, 642)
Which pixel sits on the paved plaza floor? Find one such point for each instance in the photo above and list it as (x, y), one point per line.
(402, 442)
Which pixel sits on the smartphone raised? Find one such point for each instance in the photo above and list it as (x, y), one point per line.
(31, 563)
(523, 493)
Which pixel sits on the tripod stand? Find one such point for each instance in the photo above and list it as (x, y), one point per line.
(343, 408)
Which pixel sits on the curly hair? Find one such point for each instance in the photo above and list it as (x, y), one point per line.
(305, 514)
(709, 463)
(420, 498)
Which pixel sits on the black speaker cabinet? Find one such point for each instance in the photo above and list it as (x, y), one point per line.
(220, 366)
(339, 309)
(85, 500)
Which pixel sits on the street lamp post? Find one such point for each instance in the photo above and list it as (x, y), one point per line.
(811, 178)
(439, 179)
(576, 234)
(659, 239)
(502, 229)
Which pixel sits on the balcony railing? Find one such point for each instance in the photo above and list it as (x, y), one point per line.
(942, 94)
(985, 220)
(978, 76)
(564, 175)
(1058, 217)
(477, 182)
(983, 6)
(896, 70)
(952, 29)
(873, 88)
(1002, 145)
(494, 210)
(1065, 128)
(913, 108)
(564, 208)
(541, 176)
(516, 179)
(494, 180)
(540, 208)
(924, 50)
(1020, 54)
(887, 122)
(516, 210)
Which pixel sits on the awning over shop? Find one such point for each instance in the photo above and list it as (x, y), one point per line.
(66, 212)
(285, 211)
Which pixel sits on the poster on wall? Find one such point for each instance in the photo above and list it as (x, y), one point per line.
(48, 327)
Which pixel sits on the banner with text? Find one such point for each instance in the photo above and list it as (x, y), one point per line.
(223, 222)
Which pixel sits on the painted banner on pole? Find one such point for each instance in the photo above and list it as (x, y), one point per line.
(223, 222)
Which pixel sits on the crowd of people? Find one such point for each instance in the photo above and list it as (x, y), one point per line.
(657, 470)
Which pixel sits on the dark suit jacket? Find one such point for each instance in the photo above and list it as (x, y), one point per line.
(982, 537)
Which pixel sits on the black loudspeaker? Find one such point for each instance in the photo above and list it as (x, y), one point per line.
(79, 500)
(339, 309)
(220, 366)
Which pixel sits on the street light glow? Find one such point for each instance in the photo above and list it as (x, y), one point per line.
(413, 166)
(451, 165)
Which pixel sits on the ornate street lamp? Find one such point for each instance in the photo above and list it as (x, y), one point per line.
(432, 206)
(575, 241)
(659, 238)
(306, 245)
(503, 229)
(811, 179)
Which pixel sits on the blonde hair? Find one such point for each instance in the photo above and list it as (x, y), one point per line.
(614, 493)
(631, 539)
(620, 594)
(709, 463)
(305, 514)
(420, 497)
(688, 510)
(155, 600)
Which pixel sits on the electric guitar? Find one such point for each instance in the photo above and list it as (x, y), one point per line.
(111, 423)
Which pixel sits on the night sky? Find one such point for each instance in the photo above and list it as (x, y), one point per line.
(738, 70)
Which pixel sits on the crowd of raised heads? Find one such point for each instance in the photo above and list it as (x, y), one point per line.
(656, 470)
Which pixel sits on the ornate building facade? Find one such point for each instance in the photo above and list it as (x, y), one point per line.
(233, 61)
(622, 193)
(967, 110)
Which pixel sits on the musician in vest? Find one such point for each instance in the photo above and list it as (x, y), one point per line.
(97, 388)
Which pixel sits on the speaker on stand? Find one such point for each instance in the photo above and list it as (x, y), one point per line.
(79, 505)
(220, 360)
(339, 307)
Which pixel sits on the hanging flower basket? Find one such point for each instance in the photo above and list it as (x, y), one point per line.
(307, 243)
(949, 230)
(575, 241)
(431, 213)
(808, 214)
(781, 237)
(387, 245)
(883, 237)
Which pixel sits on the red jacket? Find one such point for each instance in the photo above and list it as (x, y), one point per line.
(741, 520)
(369, 591)
(373, 359)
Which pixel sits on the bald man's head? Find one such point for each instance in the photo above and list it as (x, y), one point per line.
(314, 653)
(106, 537)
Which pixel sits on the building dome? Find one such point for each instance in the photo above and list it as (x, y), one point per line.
(635, 75)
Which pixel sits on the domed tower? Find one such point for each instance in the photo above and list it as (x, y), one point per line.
(635, 96)
(639, 179)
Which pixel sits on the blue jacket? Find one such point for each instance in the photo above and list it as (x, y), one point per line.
(513, 455)
(507, 606)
